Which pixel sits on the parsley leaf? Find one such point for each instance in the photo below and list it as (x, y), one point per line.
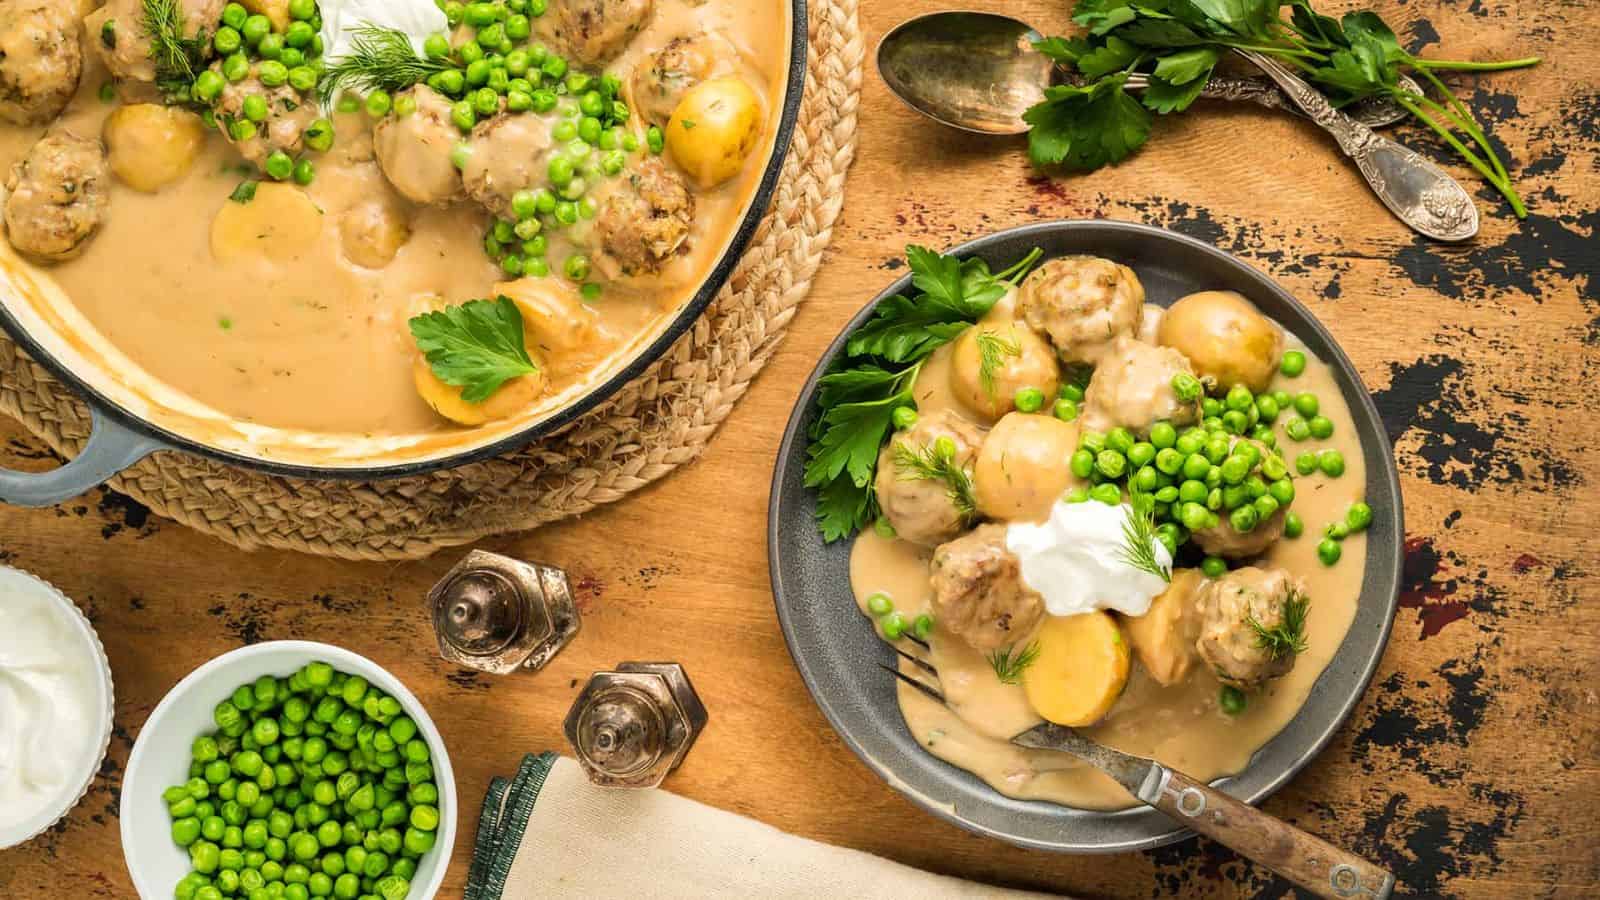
(245, 192)
(1084, 128)
(856, 401)
(477, 346)
(1113, 56)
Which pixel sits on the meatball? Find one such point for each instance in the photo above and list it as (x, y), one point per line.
(924, 510)
(415, 151)
(41, 60)
(1228, 341)
(1024, 466)
(642, 221)
(1222, 540)
(978, 591)
(1252, 624)
(1018, 358)
(591, 32)
(510, 153)
(1083, 304)
(57, 197)
(659, 83)
(288, 117)
(118, 34)
(1132, 387)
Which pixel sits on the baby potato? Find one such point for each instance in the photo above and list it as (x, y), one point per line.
(1080, 671)
(1024, 360)
(1164, 637)
(280, 223)
(715, 127)
(1024, 467)
(276, 11)
(151, 146)
(553, 314)
(373, 231)
(1225, 338)
(513, 397)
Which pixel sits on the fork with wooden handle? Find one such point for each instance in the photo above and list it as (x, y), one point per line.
(1307, 860)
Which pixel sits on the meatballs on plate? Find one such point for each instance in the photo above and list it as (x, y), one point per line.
(415, 151)
(57, 197)
(593, 31)
(117, 33)
(41, 59)
(1082, 304)
(510, 153)
(659, 84)
(643, 220)
(925, 509)
(978, 591)
(1132, 387)
(1252, 625)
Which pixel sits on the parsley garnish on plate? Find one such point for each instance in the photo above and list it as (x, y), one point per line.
(878, 372)
(476, 346)
(245, 192)
(1178, 43)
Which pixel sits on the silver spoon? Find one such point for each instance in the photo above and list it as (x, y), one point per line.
(979, 72)
(1418, 192)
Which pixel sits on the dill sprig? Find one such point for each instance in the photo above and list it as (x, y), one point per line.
(937, 462)
(1288, 637)
(993, 350)
(1139, 536)
(1009, 663)
(176, 57)
(380, 59)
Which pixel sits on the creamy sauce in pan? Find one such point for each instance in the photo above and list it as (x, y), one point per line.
(308, 340)
(1180, 725)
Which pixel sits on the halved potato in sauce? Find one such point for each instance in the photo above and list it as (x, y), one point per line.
(1080, 671)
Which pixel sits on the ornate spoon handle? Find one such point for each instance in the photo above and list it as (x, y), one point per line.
(1419, 193)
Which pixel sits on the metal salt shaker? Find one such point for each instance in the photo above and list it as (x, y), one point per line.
(631, 727)
(497, 614)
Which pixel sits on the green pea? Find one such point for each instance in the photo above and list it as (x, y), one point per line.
(1359, 516)
(1166, 494)
(254, 29)
(1214, 567)
(305, 172)
(299, 35)
(1186, 387)
(1306, 404)
(1196, 467)
(1273, 467)
(1336, 530)
(1107, 493)
(1119, 439)
(234, 15)
(921, 628)
(1267, 408)
(279, 166)
(894, 627)
(1110, 463)
(1321, 427)
(1028, 399)
(450, 82)
(1244, 519)
(1231, 700)
(302, 10)
(1281, 491)
(272, 73)
(205, 857)
(1239, 398)
(1194, 516)
(1297, 429)
(1190, 442)
(1331, 462)
(1142, 454)
(1235, 422)
(463, 114)
(1234, 469)
(1082, 463)
(1211, 408)
(1192, 491)
(1329, 551)
(1169, 461)
(655, 140)
(1293, 363)
(270, 47)
(1293, 527)
(1145, 480)
(1266, 506)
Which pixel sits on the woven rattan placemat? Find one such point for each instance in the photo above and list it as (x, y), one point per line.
(655, 424)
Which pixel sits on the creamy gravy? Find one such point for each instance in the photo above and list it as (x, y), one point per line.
(310, 341)
(1180, 725)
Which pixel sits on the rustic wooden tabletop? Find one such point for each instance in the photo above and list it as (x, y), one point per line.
(1472, 766)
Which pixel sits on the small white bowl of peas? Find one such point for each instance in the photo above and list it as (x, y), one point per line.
(288, 770)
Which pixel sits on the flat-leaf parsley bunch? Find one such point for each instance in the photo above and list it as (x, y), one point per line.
(878, 373)
(1178, 44)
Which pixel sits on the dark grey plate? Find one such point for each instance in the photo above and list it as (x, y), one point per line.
(836, 651)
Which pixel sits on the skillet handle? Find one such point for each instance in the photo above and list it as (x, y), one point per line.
(110, 449)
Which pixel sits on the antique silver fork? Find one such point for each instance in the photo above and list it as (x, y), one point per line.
(1303, 858)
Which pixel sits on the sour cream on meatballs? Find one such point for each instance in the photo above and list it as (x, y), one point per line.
(1077, 560)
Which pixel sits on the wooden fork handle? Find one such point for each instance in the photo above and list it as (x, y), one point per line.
(1307, 860)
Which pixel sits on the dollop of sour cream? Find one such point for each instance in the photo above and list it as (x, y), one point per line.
(50, 712)
(341, 19)
(1076, 560)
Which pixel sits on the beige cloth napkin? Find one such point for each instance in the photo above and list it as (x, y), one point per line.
(550, 833)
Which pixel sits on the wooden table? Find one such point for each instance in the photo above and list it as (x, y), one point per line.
(1471, 766)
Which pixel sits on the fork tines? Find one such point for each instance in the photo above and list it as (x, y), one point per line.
(916, 683)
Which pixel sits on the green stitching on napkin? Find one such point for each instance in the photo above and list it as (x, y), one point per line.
(501, 825)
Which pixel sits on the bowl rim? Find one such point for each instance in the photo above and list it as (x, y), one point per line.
(106, 702)
(680, 323)
(790, 456)
(339, 658)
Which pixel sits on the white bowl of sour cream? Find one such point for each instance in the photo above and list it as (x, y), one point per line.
(55, 706)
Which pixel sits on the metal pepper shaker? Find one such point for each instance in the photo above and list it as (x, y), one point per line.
(497, 614)
(631, 727)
